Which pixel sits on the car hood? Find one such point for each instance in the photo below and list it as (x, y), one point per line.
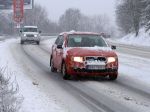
(90, 51)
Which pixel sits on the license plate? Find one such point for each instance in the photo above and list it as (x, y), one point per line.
(96, 67)
(30, 38)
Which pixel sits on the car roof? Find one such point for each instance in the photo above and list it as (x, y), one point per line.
(80, 33)
(30, 27)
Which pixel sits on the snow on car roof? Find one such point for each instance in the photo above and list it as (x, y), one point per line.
(81, 33)
(30, 27)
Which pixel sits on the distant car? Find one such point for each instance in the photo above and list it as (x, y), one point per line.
(83, 54)
(30, 34)
(27, 1)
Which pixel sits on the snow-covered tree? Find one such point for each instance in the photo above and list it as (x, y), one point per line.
(70, 19)
(9, 101)
(147, 14)
(129, 13)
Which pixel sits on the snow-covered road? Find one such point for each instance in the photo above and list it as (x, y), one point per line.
(140, 51)
(130, 93)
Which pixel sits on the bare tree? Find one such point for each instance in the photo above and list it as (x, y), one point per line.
(6, 23)
(38, 16)
(70, 20)
(73, 19)
(85, 23)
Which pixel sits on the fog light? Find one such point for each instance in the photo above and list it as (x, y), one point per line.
(35, 35)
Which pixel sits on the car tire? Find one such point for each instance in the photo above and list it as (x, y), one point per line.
(38, 43)
(66, 76)
(53, 69)
(113, 77)
(22, 42)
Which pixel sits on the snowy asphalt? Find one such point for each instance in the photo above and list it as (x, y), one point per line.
(88, 95)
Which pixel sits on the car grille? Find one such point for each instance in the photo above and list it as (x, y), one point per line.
(102, 59)
(30, 35)
(95, 63)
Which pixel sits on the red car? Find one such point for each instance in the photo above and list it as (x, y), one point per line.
(83, 54)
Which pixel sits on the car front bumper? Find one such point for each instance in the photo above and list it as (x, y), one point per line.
(95, 71)
(82, 69)
(30, 39)
(92, 73)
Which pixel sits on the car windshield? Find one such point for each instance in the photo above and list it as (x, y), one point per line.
(86, 41)
(30, 30)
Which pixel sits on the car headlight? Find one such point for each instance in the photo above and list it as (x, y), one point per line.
(35, 35)
(111, 59)
(78, 59)
(24, 35)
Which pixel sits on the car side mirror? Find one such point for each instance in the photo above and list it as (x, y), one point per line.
(113, 47)
(59, 47)
(40, 31)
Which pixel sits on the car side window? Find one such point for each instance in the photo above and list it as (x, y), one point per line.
(61, 40)
(57, 40)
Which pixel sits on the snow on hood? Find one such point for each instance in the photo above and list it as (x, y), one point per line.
(89, 51)
(97, 48)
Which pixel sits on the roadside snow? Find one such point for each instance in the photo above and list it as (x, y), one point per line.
(135, 67)
(1, 38)
(34, 99)
(143, 39)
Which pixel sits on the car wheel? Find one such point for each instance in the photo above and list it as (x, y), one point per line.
(22, 42)
(38, 43)
(113, 77)
(53, 69)
(64, 72)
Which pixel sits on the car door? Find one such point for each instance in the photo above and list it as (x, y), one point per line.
(59, 53)
(54, 49)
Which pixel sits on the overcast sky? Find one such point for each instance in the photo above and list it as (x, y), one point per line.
(56, 8)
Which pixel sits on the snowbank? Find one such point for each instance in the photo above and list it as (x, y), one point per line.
(135, 68)
(1, 38)
(34, 99)
(143, 39)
